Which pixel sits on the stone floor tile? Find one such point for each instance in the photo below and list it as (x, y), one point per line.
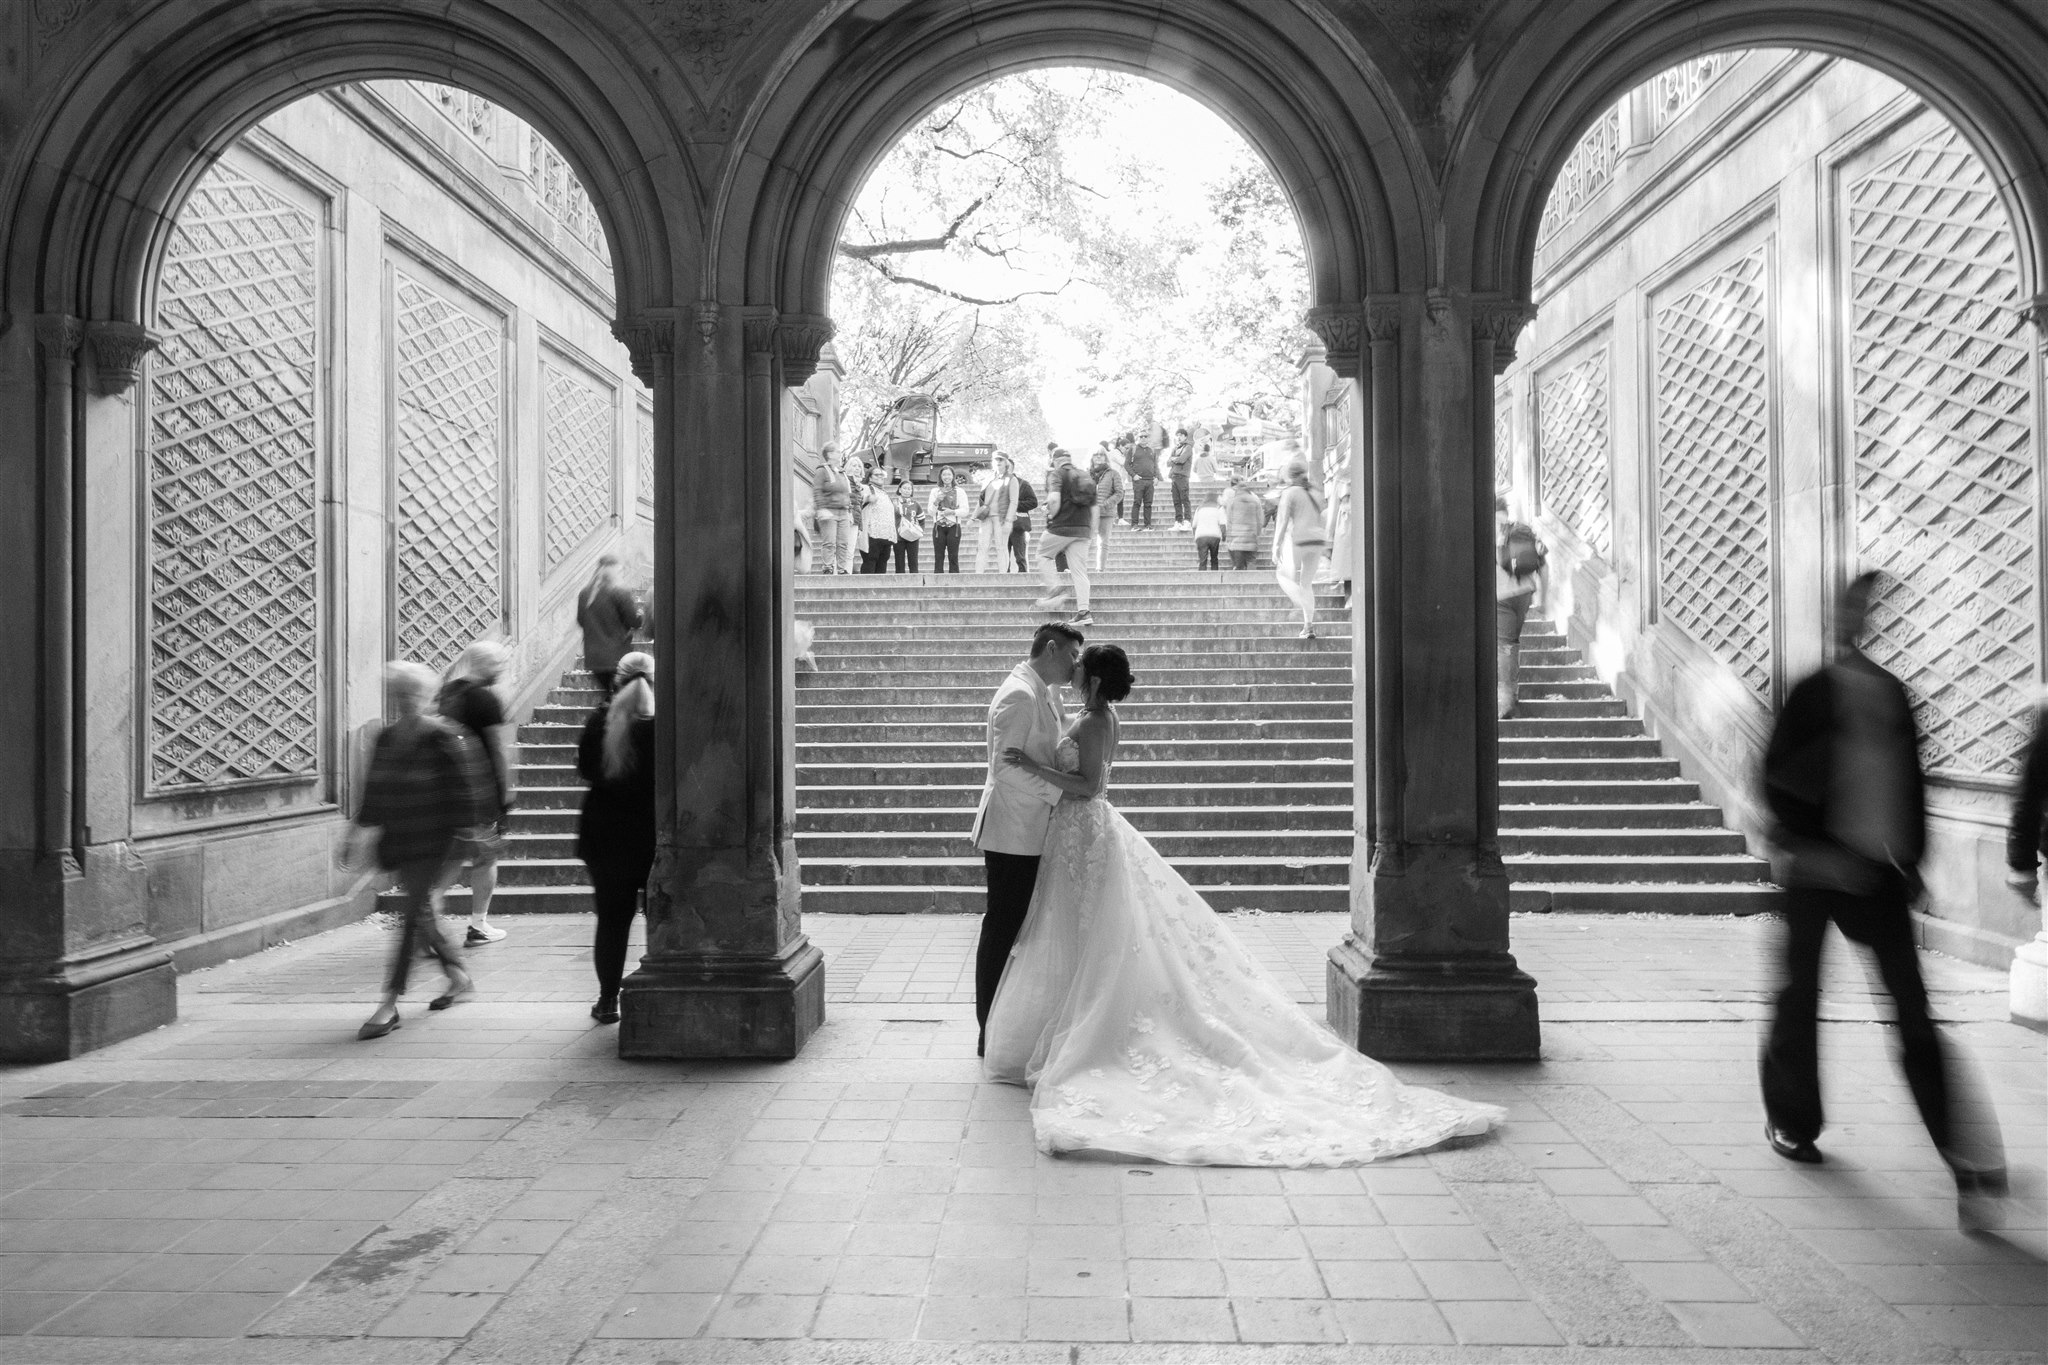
(1076, 1209)
(1169, 1241)
(784, 1275)
(1447, 1280)
(435, 1315)
(1175, 1278)
(694, 1238)
(1371, 1280)
(1421, 1210)
(1074, 1278)
(1647, 1244)
(1335, 1210)
(887, 1276)
(803, 1239)
(1181, 1319)
(1075, 1241)
(578, 1177)
(658, 1315)
(171, 1271)
(1689, 1282)
(1439, 1243)
(972, 1319)
(1162, 1208)
(22, 1311)
(2016, 1285)
(1284, 1320)
(522, 1236)
(1077, 1319)
(1351, 1243)
(1498, 1323)
(1733, 1324)
(1260, 1242)
(1392, 1322)
(95, 1234)
(893, 1239)
(984, 1240)
(1269, 1210)
(867, 1316)
(890, 1206)
(1982, 1328)
(1273, 1279)
(763, 1315)
(565, 1205)
(979, 1278)
(1583, 1180)
(112, 1314)
(477, 1274)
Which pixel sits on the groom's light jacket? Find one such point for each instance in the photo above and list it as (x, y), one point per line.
(1015, 805)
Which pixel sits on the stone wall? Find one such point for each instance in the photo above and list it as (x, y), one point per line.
(388, 416)
(1780, 339)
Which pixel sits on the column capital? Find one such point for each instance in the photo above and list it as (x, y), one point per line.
(645, 338)
(118, 350)
(59, 335)
(705, 317)
(1341, 329)
(1500, 320)
(1383, 319)
(803, 338)
(757, 329)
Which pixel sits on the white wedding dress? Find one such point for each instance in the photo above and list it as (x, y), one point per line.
(1145, 1029)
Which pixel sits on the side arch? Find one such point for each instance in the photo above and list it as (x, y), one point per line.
(1981, 65)
(1321, 115)
(114, 158)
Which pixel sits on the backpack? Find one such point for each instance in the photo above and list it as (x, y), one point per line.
(1077, 487)
(1521, 554)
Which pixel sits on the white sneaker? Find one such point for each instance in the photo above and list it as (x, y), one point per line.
(1051, 603)
(483, 933)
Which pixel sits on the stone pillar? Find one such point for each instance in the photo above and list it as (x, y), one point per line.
(1425, 972)
(2029, 975)
(78, 970)
(728, 971)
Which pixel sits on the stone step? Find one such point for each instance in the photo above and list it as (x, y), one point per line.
(1255, 752)
(1596, 815)
(957, 820)
(1696, 842)
(833, 847)
(1596, 793)
(815, 689)
(968, 899)
(1602, 727)
(1519, 747)
(975, 713)
(978, 656)
(826, 796)
(974, 734)
(1245, 670)
(1201, 773)
(1547, 855)
(1595, 704)
(1646, 898)
(970, 871)
(1585, 769)
(526, 900)
(1142, 640)
(1611, 868)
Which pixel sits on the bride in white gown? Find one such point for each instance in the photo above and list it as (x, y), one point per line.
(1142, 1025)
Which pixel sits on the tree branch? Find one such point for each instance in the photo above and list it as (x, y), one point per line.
(890, 274)
(867, 251)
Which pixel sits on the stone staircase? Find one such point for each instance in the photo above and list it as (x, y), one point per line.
(1236, 758)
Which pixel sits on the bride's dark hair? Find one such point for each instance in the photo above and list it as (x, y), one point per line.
(1112, 667)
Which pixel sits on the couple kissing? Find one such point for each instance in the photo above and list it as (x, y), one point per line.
(1104, 982)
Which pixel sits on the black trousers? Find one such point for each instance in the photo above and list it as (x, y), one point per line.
(1242, 559)
(421, 930)
(906, 555)
(946, 549)
(1011, 876)
(1205, 552)
(1020, 532)
(615, 890)
(875, 559)
(1141, 501)
(1183, 510)
(1791, 1055)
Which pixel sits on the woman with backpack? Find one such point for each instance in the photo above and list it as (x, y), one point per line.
(1299, 542)
(1517, 575)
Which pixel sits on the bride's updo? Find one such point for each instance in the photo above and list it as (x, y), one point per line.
(1111, 667)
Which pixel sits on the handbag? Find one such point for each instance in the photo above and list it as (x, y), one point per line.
(908, 529)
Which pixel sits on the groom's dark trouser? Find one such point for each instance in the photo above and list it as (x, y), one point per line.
(1010, 879)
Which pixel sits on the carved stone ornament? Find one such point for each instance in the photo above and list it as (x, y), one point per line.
(1438, 303)
(60, 335)
(118, 349)
(1383, 319)
(707, 322)
(802, 338)
(757, 330)
(52, 18)
(1341, 329)
(704, 34)
(645, 339)
(1501, 321)
(2035, 310)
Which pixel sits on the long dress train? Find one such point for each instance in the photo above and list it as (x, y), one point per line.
(1145, 1029)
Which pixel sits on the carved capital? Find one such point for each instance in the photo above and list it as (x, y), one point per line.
(118, 350)
(1383, 319)
(1341, 329)
(1501, 321)
(60, 335)
(757, 330)
(707, 322)
(802, 338)
(2035, 310)
(646, 339)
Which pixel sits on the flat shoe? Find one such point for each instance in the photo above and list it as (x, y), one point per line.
(605, 1012)
(1791, 1148)
(372, 1029)
(442, 1002)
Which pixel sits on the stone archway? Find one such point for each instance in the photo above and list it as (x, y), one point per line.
(113, 159)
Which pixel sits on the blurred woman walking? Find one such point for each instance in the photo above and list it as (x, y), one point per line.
(608, 616)
(832, 497)
(1298, 544)
(469, 698)
(615, 831)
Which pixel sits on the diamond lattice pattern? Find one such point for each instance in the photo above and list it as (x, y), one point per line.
(449, 378)
(234, 610)
(647, 456)
(1713, 468)
(576, 420)
(1572, 454)
(1947, 500)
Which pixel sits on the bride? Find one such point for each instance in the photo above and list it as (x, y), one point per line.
(1144, 1028)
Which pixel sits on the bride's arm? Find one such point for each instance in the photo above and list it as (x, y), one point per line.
(1092, 738)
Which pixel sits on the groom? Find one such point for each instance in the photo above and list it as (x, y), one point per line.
(1009, 825)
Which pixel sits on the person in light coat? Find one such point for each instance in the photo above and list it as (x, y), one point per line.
(1015, 808)
(1244, 518)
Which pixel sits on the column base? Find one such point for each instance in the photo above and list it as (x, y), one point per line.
(713, 1007)
(2030, 983)
(1447, 1010)
(52, 1013)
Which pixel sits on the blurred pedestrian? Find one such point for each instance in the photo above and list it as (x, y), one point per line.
(2026, 840)
(1244, 517)
(878, 521)
(469, 698)
(608, 616)
(1518, 579)
(1847, 798)
(1005, 508)
(425, 793)
(1299, 542)
(948, 508)
(1209, 527)
(615, 830)
(1205, 463)
(1179, 463)
(1109, 492)
(832, 496)
(1069, 526)
(909, 528)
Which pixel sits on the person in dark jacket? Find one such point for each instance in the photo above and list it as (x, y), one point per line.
(2026, 840)
(1144, 469)
(469, 698)
(608, 616)
(1843, 783)
(1179, 461)
(427, 791)
(615, 831)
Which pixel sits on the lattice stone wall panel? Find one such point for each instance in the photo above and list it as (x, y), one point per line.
(449, 380)
(647, 456)
(1585, 173)
(576, 426)
(1943, 410)
(234, 617)
(1714, 467)
(1572, 450)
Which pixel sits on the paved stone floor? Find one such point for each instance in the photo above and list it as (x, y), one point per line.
(491, 1184)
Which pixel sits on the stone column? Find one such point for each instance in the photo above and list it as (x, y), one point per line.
(1425, 972)
(2029, 975)
(728, 971)
(78, 970)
